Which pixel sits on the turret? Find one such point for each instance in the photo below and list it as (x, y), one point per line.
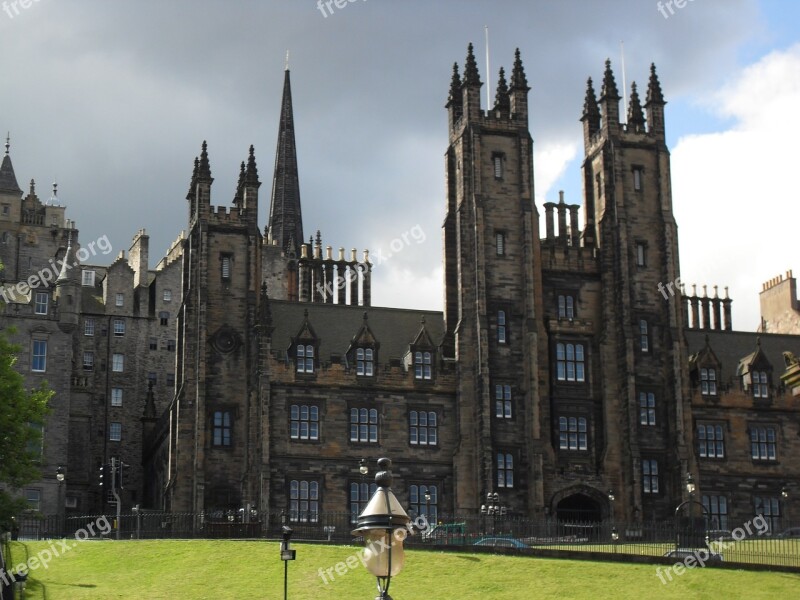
(250, 188)
(591, 115)
(609, 101)
(67, 292)
(455, 105)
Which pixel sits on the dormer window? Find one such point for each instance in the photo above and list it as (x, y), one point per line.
(365, 362)
(760, 385)
(422, 365)
(305, 358)
(708, 382)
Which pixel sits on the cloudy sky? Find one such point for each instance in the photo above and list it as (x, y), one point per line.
(113, 99)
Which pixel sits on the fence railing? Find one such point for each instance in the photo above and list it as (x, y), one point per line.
(748, 543)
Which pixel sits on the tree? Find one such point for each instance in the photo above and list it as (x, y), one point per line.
(22, 413)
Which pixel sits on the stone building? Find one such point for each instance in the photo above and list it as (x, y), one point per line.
(250, 370)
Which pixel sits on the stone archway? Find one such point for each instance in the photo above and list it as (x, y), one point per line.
(579, 508)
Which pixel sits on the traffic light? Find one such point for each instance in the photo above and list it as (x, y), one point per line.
(118, 475)
(103, 472)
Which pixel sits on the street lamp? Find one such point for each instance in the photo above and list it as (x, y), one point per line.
(611, 496)
(614, 538)
(493, 508)
(287, 554)
(362, 467)
(380, 523)
(690, 487)
(785, 491)
(61, 476)
(427, 503)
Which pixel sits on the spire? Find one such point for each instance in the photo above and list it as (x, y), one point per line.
(609, 90)
(635, 114)
(501, 99)
(654, 95)
(204, 168)
(518, 79)
(285, 215)
(237, 197)
(193, 182)
(8, 180)
(471, 75)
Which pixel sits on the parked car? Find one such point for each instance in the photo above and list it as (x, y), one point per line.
(682, 553)
(502, 542)
(792, 532)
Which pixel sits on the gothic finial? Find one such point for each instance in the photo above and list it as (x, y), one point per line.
(319, 238)
(501, 99)
(252, 169)
(204, 169)
(33, 187)
(654, 94)
(8, 142)
(518, 79)
(591, 110)
(635, 113)
(609, 90)
(471, 75)
(455, 85)
(365, 316)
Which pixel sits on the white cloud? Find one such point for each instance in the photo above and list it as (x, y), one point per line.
(549, 166)
(734, 191)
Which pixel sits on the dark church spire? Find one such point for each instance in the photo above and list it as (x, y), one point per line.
(8, 180)
(285, 217)
(636, 121)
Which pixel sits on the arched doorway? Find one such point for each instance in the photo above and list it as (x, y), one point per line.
(579, 508)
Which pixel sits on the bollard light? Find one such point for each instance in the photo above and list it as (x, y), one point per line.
(384, 526)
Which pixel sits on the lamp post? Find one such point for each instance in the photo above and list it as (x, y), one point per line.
(492, 508)
(427, 504)
(614, 538)
(61, 477)
(380, 523)
(287, 554)
(611, 499)
(690, 487)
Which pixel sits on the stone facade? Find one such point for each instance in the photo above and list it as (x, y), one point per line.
(254, 372)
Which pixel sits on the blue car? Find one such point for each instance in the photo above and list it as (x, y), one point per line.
(502, 542)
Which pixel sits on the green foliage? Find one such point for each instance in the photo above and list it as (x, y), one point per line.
(233, 569)
(21, 410)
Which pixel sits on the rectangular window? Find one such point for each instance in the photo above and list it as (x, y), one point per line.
(572, 433)
(360, 493)
(711, 441)
(87, 278)
(163, 317)
(226, 267)
(364, 425)
(167, 295)
(88, 361)
(570, 362)
(637, 179)
(566, 307)
(116, 396)
(717, 507)
(88, 327)
(641, 255)
(505, 470)
(152, 377)
(650, 476)
(120, 300)
(118, 363)
(222, 429)
(500, 243)
(153, 343)
(304, 422)
(34, 499)
(424, 501)
(365, 362)
(644, 336)
(760, 385)
(497, 159)
(770, 510)
(422, 365)
(119, 327)
(647, 408)
(762, 443)
(304, 501)
(115, 432)
(423, 428)
(708, 382)
(39, 359)
(305, 358)
(170, 379)
(170, 345)
(501, 327)
(42, 301)
(502, 401)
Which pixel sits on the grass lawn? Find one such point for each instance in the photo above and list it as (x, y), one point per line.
(205, 569)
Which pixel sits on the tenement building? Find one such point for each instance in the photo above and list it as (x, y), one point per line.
(249, 369)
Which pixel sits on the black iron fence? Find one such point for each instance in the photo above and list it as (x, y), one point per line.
(747, 543)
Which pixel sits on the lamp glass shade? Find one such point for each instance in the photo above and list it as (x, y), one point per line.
(376, 553)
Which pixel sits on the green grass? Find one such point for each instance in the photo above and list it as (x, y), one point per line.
(204, 569)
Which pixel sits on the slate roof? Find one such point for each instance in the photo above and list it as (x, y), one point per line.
(8, 180)
(730, 347)
(336, 325)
